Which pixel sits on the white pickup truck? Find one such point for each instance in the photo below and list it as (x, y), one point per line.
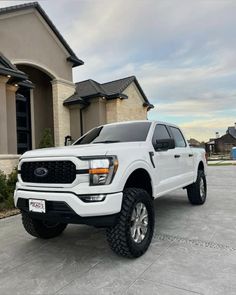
(109, 178)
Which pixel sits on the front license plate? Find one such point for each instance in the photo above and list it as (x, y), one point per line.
(37, 206)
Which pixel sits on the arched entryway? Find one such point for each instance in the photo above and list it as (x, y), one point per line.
(34, 108)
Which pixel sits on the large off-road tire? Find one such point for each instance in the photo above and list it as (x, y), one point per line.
(197, 192)
(132, 234)
(41, 229)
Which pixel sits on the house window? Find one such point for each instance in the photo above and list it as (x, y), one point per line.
(23, 121)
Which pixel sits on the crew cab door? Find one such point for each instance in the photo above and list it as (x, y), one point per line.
(166, 166)
(183, 157)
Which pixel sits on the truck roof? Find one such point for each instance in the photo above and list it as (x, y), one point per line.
(140, 121)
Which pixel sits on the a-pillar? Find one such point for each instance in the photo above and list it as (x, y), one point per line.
(61, 115)
(3, 116)
(11, 118)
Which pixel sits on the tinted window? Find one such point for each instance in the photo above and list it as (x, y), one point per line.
(178, 137)
(160, 132)
(126, 132)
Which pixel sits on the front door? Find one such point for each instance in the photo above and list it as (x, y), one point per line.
(23, 121)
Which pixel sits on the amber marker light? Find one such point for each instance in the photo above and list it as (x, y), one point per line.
(99, 171)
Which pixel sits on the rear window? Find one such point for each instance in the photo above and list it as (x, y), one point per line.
(127, 132)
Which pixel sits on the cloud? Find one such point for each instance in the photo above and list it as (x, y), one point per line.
(182, 52)
(205, 129)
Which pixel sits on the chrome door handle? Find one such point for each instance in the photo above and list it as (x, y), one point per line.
(177, 156)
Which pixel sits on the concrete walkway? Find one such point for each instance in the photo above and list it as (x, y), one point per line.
(214, 162)
(193, 252)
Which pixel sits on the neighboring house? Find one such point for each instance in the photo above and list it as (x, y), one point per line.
(194, 143)
(94, 104)
(37, 89)
(224, 143)
(210, 146)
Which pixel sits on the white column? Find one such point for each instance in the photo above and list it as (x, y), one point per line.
(61, 115)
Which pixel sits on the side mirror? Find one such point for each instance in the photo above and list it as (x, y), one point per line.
(164, 144)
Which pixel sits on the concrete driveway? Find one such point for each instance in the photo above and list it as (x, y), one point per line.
(193, 252)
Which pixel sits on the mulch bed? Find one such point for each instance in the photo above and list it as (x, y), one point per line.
(8, 213)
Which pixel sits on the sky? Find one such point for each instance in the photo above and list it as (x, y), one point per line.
(183, 53)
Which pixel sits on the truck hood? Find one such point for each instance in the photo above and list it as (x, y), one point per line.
(99, 149)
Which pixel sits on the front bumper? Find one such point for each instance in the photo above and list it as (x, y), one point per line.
(60, 212)
(111, 205)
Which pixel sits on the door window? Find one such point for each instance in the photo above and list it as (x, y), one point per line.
(178, 137)
(160, 132)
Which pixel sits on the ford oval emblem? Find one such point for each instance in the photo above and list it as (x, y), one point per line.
(41, 172)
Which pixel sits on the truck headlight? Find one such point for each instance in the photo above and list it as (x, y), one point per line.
(102, 170)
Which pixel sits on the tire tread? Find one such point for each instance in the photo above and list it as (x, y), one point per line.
(117, 235)
(36, 228)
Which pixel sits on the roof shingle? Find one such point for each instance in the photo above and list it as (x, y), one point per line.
(89, 88)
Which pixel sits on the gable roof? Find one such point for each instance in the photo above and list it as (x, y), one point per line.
(118, 86)
(110, 90)
(232, 131)
(72, 58)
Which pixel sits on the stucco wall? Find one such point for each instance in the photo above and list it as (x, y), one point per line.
(94, 115)
(75, 128)
(25, 36)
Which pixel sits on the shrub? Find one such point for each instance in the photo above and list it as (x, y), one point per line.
(7, 187)
(9, 203)
(3, 187)
(46, 140)
(11, 181)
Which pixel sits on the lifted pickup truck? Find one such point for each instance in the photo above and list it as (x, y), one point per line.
(109, 178)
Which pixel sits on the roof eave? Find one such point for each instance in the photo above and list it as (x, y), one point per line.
(75, 61)
(148, 105)
(15, 74)
(74, 99)
(116, 96)
(76, 102)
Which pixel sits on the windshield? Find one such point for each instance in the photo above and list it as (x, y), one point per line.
(126, 132)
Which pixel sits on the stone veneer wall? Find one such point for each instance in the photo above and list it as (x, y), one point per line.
(131, 108)
(119, 110)
(8, 163)
(61, 114)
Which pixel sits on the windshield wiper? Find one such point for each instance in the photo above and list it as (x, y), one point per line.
(107, 141)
